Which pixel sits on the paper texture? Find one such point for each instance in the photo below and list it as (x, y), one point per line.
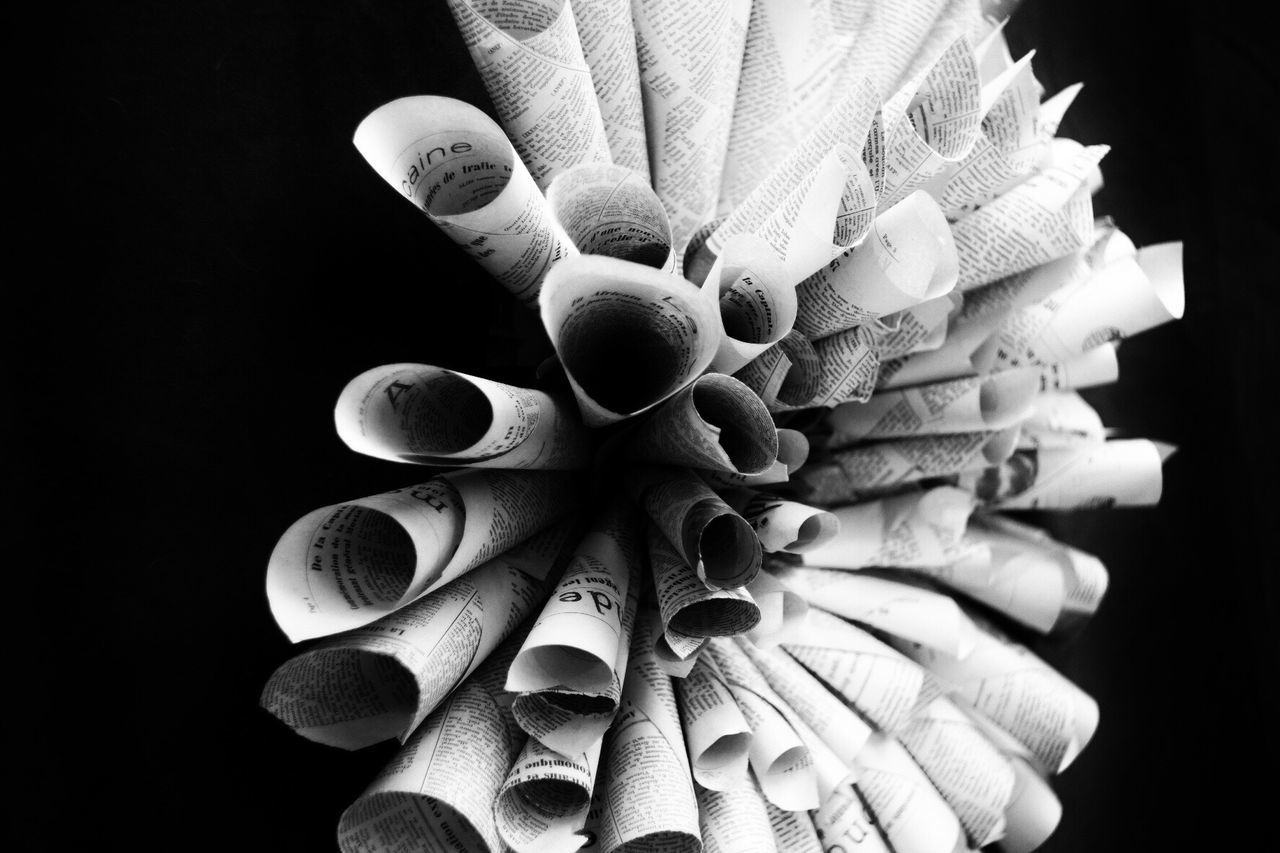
(1114, 473)
(715, 731)
(609, 45)
(433, 416)
(715, 423)
(758, 301)
(734, 821)
(782, 611)
(610, 210)
(382, 680)
(645, 789)
(717, 542)
(908, 810)
(530, 58)
(907, 258)
(905, 611)
(437, 793)
(543, 803)
(783, 525)
(455, 165)
(343, 566)
(690, 55)
(912, 529)
(569, 671)
(872, 676)
(793, 452)
(793, 831)
(849, 364)
(628, 336)
(846, 825)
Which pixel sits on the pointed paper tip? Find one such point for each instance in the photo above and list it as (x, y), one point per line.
(1165, 450)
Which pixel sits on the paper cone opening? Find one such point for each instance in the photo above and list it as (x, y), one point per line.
(727, 404)
(717, 617)
(730, 552)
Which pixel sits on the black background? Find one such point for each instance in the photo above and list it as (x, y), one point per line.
(208, 260)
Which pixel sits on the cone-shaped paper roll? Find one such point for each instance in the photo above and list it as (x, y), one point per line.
(611, 210)
(793, 831)
(543, 803)
(908, 258)
(850, 366)
(530, 58)
(971, 404)
(734, 821)
(757, 301)
(432, 416)
(1061, 419)
(457, 166)
(645, 790)
(472, 739)
(569, 671)
(381, 681)
(343, 566)
(783, 525)
(1090, 369)
(628, 336)
(1113, 473)
(920, 328)
(715, 732)
(908, 810)
(715, 423)
(1033, 814)
(609, 45)
(906, 611)
(913, 529)
(843, 820)
(871, 676)
(793, 451)
(717, 542)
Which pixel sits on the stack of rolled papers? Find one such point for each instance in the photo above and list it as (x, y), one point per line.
(696, 629)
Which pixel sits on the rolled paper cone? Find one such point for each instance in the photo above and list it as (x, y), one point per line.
(972, 404)
(850, 366)
(793, 831)
(531, 62)
(920, 328)
(346, 565)
(1094, 367)
(757, 301)
(628, 336)
(1112, 473)
(734, 821)
(804, 377)
(1034, 812)
(1125, 298)
(908, 258)
(883, 685)
(918, 615)
(844, 820)
(716, 423)
(914, 529)
(1109, 244)
(690, 612)
(908, 809)
(611, 210)
(717, 735)
(783, 613)
(543, 803)
(381, 681)
(793, 451)
(608, 39)
(783, 525)
(417, 791)
(1061, 419)
(432, 416)
(705, 531)
(455, 164)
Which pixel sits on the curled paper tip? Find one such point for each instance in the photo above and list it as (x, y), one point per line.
(1163, 265)
(1165, 450)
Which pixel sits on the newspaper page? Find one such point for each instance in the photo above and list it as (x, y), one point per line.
(877, 680)
(916, 529)
(717, 542)
(783, 525)
(543, 802)
(931, 123)
(690, 55)
(1019, 692)
(629, 336)
(714, 423)
(715, 731)
(908, 809)
(569, 672)
(437, 793)
(611, 210)
(1034, 812)
(900, 609)
(734, 821)
(690, 612)
(530, 58)
(455, 164)
(834, 722)
(845, 825)
(1124, 472)
(432, 416)
(609, 45)
(1045, 217)
(907, 258)
(817, 199)
(793, 832)
(380, 681)
(975, 779)
(781, 761)
(645, 788)
(884, 467)
(793, 452)
(757, 301)
(343, 566)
